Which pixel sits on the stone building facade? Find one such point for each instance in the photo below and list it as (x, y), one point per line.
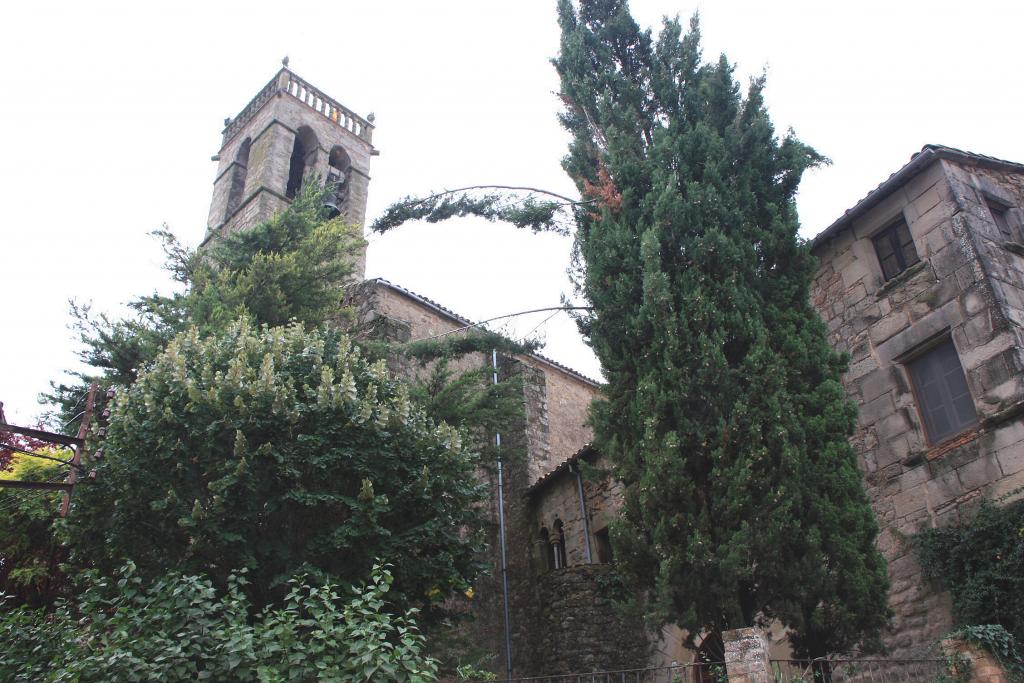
(922, 283)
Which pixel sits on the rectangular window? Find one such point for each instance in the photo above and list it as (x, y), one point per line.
(941, 389)
(604, 546)
(1001, 215)
(895, 249)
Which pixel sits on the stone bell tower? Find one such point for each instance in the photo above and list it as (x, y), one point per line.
(290, 132)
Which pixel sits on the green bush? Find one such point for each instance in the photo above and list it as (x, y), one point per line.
(180, 628)
(981, 563)
(999, 642)
(284, 452)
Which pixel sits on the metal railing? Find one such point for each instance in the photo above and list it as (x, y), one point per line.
(286, 81)
(858, 670)
(698, 672)
(782, 671)
(331, 109)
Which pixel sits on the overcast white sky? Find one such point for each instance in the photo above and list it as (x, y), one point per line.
(110, 112)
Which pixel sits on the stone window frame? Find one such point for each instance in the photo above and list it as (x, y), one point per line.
(1010, 229)
(1000, 213)
(889, 232)
(990, 193)
(915, 355)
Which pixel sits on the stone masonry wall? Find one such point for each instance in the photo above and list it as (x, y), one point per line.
(1001, 254)
(578, 628)
(568, 403)
(913, 483)
(550, 418)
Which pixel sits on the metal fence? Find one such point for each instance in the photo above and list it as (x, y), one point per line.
(859, 670)
(698, 672)
(782, 671)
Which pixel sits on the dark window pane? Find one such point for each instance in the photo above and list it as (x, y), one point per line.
(943, 397)
(884, 247)
(604, 546)
(895, 249)
(890, 267)
(909, 255)
(903, 234)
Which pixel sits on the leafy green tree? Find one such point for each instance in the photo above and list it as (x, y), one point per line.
(294, 268)
(29, 553)
(291, 267)
(723, 413)
(181, 627)
(280, 451)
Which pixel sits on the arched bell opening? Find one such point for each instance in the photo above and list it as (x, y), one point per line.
(339, 166)
(302, 160)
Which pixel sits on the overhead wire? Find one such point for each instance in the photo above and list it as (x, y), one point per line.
(79, 401)
(538, 326)
(502, 317)
(64, 426)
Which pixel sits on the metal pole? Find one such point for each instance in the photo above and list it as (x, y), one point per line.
(501, 532)
(583, 513)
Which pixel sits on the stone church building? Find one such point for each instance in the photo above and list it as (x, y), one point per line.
(922, 283)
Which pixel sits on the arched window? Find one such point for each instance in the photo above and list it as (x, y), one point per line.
(239, 170)
(558, 545)
(303, 157)
(339, 166)
(544, 543)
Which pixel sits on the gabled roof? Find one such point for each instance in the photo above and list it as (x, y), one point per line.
(918, 162)
(455, 317)
(587, 451)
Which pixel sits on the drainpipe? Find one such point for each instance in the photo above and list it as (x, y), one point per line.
(583, 511)
(501, 532)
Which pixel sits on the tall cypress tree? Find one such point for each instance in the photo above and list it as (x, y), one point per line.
(724, 413)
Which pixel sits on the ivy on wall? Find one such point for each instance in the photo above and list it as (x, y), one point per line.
(981, 562)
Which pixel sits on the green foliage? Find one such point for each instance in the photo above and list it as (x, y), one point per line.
(468, 672)
(981, 562)
(724, 413)
(999, 642)
(452, 379)
(280, 451)
(30, 555)
(454, 347)
(292, 267)
(521, 211)
(180, 627)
